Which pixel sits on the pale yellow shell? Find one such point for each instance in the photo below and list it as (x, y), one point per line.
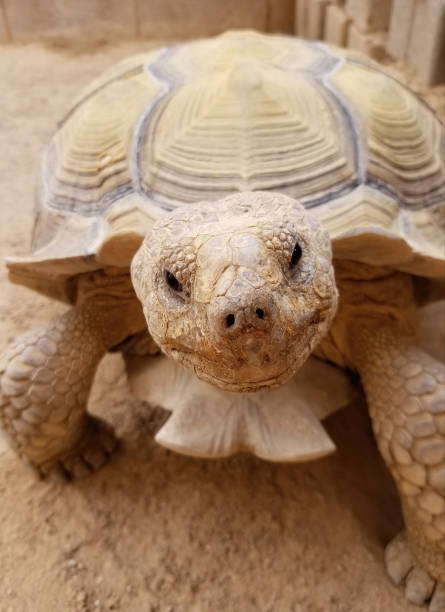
(241, 111)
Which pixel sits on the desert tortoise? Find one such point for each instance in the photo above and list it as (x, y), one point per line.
(203, 149)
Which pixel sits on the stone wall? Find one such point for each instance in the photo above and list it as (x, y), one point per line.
(412, 31)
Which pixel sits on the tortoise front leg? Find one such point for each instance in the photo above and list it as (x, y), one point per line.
(45, 379)
(405, 389)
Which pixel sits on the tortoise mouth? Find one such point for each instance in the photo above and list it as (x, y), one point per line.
(198, 365)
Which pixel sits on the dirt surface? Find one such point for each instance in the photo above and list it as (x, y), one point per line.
(154, 531)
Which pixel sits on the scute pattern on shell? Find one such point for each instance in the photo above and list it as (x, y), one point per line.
(86, 165)
(240, 112)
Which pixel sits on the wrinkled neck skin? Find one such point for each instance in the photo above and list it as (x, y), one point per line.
(239, 290)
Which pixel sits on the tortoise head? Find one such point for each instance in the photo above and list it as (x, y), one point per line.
(239, 290)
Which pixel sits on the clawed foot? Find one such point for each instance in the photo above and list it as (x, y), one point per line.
(89, 455)
(420, 587)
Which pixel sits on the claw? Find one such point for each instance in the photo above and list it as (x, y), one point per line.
(77, 468)
(108, 439)
(95, 457)
(419, 586)
(438, 599)
(56, 474)
(87, 456)
(398, 559)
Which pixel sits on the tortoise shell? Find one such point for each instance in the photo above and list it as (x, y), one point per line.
(242, 111)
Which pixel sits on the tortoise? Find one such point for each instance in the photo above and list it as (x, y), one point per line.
(250, 199)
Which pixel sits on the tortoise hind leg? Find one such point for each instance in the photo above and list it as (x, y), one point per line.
(45, 379)
(405, 389)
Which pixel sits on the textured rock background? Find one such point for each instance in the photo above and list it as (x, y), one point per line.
(154, 531)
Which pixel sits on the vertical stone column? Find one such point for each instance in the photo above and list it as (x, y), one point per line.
(336, 25)
(400, 28)
(426, 49)
(369, 15)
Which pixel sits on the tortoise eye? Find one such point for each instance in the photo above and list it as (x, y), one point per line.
(296, 256)
(172, 281)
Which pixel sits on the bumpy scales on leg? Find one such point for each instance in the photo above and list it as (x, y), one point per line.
(405, 390)
(45, 378)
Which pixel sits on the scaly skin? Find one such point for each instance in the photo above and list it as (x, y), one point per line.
(230, 260)
(45, 379)
(405, 389)
(217, 253)
(374, 333)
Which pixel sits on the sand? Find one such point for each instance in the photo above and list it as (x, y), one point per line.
(154, 531)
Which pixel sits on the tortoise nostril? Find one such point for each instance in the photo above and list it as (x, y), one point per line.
(230, 320)
(244, 319)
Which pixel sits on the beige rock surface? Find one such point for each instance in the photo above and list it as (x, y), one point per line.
(154, 531)
(400, 27)
(369, 15)
(316, 10)
(426, 51)
(336, 25)
(372, 45)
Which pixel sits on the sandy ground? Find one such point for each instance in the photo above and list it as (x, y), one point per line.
(154, 531)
